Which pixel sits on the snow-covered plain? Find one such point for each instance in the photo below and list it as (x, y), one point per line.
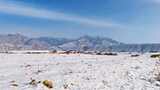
(77, 72)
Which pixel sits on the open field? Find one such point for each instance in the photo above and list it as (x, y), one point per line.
(77, 72)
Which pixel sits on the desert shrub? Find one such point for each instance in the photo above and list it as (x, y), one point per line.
(155, 56)
(53, 51)
(34, 82)
(112, 54)
(15, 85)
(135, 55)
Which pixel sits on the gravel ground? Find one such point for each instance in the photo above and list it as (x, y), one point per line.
(77, 72)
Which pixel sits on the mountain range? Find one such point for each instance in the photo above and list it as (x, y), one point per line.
(84, 43)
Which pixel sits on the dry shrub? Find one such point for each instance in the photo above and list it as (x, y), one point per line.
(15, 85)
(135, 55)
(34, 82)
(110, 54)
(155, 56)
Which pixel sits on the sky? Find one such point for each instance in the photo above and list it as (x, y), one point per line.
(128, 21)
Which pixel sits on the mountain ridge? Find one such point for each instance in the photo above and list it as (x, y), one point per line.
(83, 43)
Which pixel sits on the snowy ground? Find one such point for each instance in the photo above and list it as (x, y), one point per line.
(77, 72)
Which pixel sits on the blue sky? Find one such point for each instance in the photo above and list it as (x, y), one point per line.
(129, 21)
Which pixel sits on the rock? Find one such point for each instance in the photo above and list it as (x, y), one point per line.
(65, 86)
(157, 84)
(157, 77)
(48, 83)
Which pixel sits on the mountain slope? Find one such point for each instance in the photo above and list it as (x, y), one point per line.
(53, 41)
(136, 48)
(89, 43)
(85, 43)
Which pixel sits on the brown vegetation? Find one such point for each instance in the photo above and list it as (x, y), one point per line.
(155, 56)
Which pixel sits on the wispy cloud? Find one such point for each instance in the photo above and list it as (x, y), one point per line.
(22, 10)
(154, 1)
